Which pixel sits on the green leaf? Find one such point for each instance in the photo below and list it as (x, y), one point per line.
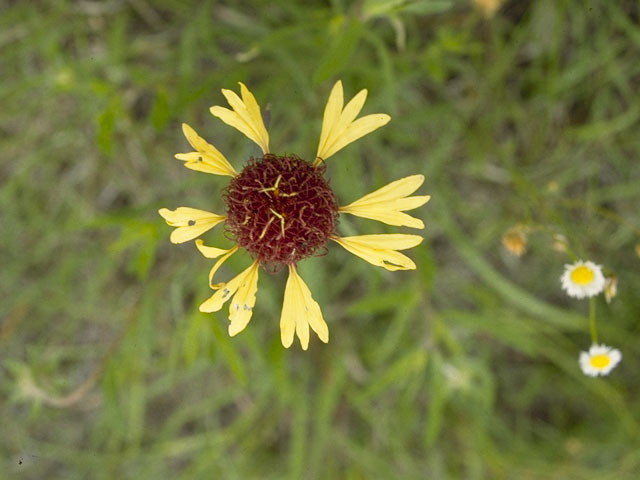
(106, 124)
(380, 8)
(437, 398)
(340, 50)
(406, 366)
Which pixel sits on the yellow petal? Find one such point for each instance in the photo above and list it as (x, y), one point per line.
(218, 299)
(212, 252)
(351, 110)
(410, 203)
(182, 216)
(195, 140)
(189, 157)
(387, 203)
(392, 191)
(253, 111)
(331, 115)
(340, 124)
(302, 331)
(340, 127)
(354, 131)
(238, 106)
(202, 163)
(299, 312)
(206, 158)
(394, 241)
(184, 234)
(245, 116)
(385, 215)
(380, 250)
(191, 222)
(241, 308)
(217, 266)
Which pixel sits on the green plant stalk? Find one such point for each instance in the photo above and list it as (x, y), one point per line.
(592, 320)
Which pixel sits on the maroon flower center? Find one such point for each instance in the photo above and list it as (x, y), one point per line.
(280, 209)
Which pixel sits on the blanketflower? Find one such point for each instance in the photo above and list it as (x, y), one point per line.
(582, 279)
(599, 360)
(280, 209)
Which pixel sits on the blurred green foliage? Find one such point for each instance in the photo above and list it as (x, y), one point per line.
(465, 368)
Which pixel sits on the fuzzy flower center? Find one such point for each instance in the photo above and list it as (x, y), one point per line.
(600, 361)
(280, 209)
(582, 275)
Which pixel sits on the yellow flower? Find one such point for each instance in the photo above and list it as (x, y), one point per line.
(280, 209)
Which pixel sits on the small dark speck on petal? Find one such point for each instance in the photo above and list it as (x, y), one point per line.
(192, 223)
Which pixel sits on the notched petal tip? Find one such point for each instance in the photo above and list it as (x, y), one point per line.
(286, 343)
(339, 124)
(382, 250)
(388, 203)
(244, 116)
(300, 313)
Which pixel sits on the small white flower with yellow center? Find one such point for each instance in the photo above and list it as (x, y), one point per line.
(582, 279)
(599, 360)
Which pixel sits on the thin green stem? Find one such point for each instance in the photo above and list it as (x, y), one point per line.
(592, 320)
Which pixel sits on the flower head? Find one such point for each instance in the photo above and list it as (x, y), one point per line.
(599, 360)
(582, 279)
(514, 240)
(280, 209)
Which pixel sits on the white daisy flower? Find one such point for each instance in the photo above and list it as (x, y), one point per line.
(600, 360)
(582, 279)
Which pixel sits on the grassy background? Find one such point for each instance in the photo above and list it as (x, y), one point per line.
(465, 368)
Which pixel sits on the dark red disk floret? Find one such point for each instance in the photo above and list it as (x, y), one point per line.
(280, 209)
